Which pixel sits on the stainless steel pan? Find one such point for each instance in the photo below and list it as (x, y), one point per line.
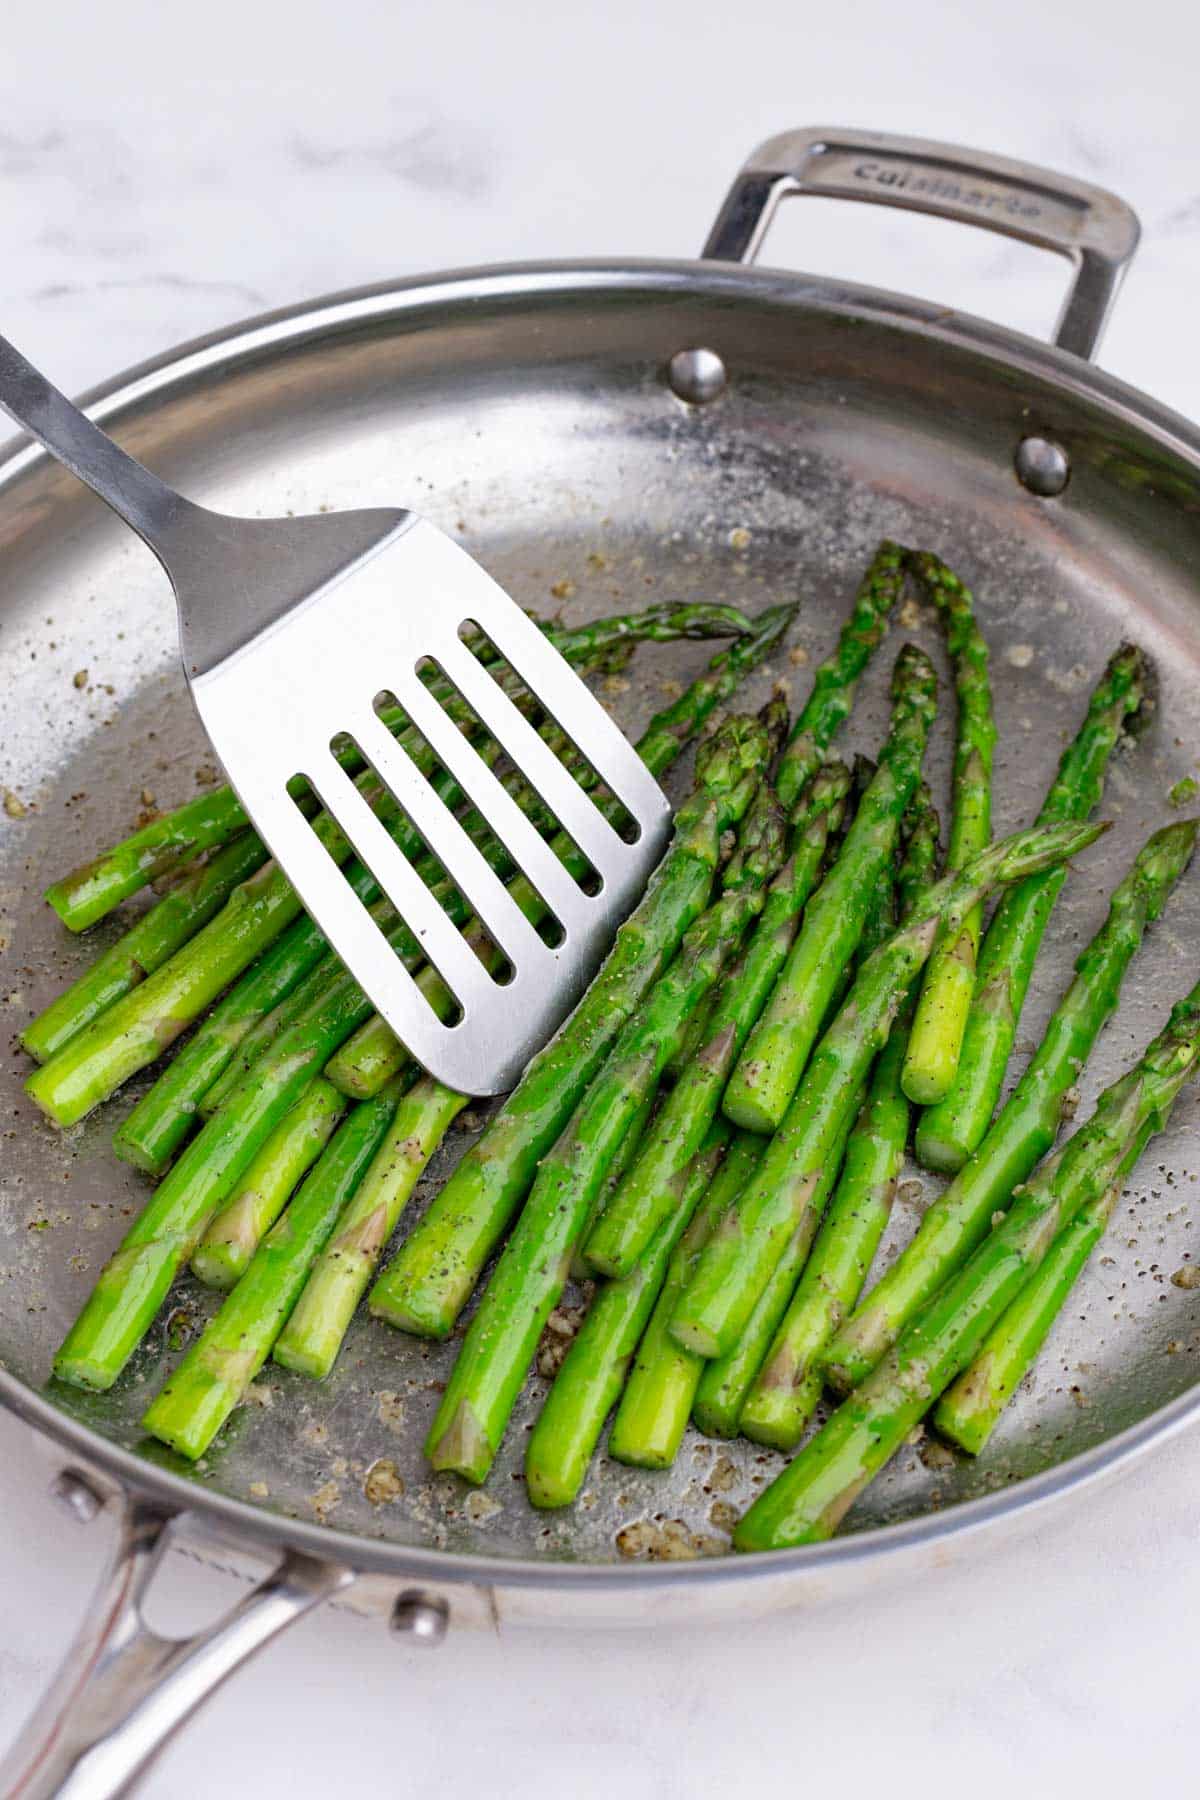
(665, 428)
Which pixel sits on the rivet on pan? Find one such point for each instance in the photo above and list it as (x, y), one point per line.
(421, 1618)
(697, 376)
(1042, 466)
(75, 1493)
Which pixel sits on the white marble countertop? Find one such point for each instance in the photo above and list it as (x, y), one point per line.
(163, 172)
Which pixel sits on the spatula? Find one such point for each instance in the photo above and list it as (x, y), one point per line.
(289, 629)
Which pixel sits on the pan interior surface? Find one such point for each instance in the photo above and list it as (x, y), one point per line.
(534, 421)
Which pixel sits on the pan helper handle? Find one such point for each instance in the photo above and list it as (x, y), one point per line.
(1097, 232)
(123, 1690)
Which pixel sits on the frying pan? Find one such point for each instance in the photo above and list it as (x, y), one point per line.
(628, 430)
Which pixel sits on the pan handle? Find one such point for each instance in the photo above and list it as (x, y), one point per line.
(1094, 229)
(123, 1690)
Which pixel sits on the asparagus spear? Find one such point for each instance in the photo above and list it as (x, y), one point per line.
(768, 1071)
(970, 1409)
(653, 1411)
(163, 1117)
(590, 1379)
(134, 1282)
(935, 1039)
(628, 1148)
(835, 681)
(726, 1380)
(221, 1364)
(139, 1027)
(118, 1313)
(262, 1032)
(813, 1494)
(948, 1132)
(223, 1253)
(433, 1275)
(645, 1197)
(529, 1277)
(788, 1384)
(91, 892)
(144, 947)
(312, 1337)
(1026, 1128)
(738, 1261)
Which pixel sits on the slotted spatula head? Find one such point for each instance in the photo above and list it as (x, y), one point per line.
(277, 703)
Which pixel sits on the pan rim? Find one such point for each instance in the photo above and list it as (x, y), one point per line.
(156, 379)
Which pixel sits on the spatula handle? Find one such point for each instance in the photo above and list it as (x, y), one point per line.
(140, 498)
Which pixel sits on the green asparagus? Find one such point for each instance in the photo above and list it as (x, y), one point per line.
(835, 681)
(628, 1148)
(312, 1337)
(970, 1409)
(139, 1027)
(948, 1132)
(214, 1375)
(738, 1261)
(788, 1384)
(529, 1277)
(645, 1196)
(653, 1411)
(769, 1069)
(432, 1277)
(134, 1282)
(1026, 1127)
(145, 947)
(936, 1035)
(590, 1379)
(163, 1117)
(232, 1237)
(726, 1380)
(810, 1498)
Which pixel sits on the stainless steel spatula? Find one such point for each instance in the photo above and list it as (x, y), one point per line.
(289, 630)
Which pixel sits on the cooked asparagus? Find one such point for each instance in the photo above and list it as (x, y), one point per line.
(948, 1132)
(653, 1412)
(726, 1380)
(591, 1377)
(312, 1337)
(529, 1277)
(134, 1282)
(959, 1218)
(835, 681)
(232, 1348)
(738, 1261)
(788, 1385)
(970, 1409)
(935, 1038)
(146, 946)
(435, 1271)
(223, 1253)
(769, 1069)
(808, 1501)
(645, 1196)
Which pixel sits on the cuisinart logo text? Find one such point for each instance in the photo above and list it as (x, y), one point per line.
(944, 187)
